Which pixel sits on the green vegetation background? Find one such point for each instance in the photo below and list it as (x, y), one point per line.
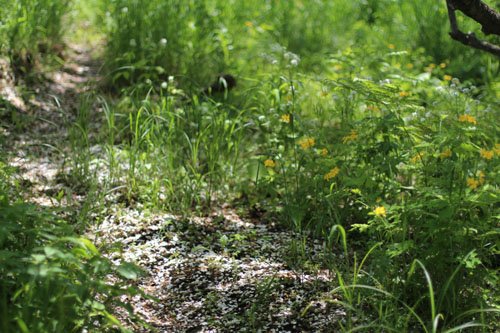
(357, 122)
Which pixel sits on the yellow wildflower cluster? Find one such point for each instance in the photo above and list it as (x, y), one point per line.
(248, 24)
(307, 143)
(445, 153)
(353, 135)
(447, 77)
(332, 173)
(285, 118)
(487, 154)
(391, 46)
(323, 152)
(380, 211)
(269, 163)
(465, 118)
(404, 94)
(442, 65)
(474, 183)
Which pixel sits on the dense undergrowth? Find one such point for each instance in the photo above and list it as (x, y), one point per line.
(53, 280)
(357, 122)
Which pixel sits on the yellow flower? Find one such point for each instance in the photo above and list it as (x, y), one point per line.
(486, 154)
(249, 24)
(269, 163)
(480, 175)
(307, 143)
(445, 153)
(472, 183)
(465, 118)
(380, 211)
(432, 65)
(391, 46)
(285, 118)
(353, 135)
(417, 158)
(332, 173)
(442, 65)
(409, 66)
(404, 94)
(323, 152)
(447, 77)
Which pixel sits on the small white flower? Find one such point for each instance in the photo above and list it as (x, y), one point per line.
(133, 43)
(163, 42)
(294, 62)
(125, 10)
(170, 78)
(164, 85)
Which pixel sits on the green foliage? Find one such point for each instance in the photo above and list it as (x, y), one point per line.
(31, 29)
(155, 39)
(52, 280)
(173, 157)
(355, 121)
(349, 118)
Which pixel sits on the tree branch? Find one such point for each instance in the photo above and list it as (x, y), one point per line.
(470, 39)
(479, 12)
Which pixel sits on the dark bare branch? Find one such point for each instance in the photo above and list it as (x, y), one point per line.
(469, 39)
(479, 12)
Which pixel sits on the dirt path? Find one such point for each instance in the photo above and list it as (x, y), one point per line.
(40, 142)
(221, 274)
(216, 274)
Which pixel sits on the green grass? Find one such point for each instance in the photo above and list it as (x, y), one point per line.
(31, 32)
